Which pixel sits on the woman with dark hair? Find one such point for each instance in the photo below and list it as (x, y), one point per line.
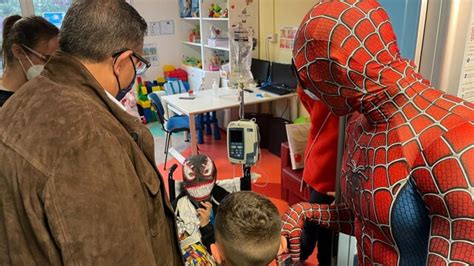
(27, 45)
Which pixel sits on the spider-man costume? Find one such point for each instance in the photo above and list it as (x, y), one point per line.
(408, 167)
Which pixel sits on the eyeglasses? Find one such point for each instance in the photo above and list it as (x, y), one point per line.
(38, 54)
(141, 67)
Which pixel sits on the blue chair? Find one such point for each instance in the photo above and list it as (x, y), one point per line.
(176, 86)
(175, 124)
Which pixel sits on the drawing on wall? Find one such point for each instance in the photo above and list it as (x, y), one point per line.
(150, 52)
(287, 37)
(154, 28)
(166, 27)
(162, 27)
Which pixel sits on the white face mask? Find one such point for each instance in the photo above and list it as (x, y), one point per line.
(33, 71)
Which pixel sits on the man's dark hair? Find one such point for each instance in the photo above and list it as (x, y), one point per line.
(248, 229)
(93, 30)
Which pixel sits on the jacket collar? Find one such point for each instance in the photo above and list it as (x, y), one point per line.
(66, 69)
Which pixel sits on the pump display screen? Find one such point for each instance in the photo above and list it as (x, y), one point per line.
(236, 143)
(236, 136)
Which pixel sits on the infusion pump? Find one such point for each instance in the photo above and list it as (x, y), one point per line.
(243, 141)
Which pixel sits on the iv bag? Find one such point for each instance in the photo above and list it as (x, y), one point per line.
(241, 45)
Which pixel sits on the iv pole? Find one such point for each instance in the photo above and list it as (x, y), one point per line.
(246, 180)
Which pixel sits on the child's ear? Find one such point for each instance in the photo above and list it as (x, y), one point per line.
(283, 245)
(216, 253)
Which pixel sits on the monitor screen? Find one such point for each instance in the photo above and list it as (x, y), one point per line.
(236, 135)
(260, 70)
(282, 74)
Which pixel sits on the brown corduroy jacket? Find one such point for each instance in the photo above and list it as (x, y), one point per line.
(78, 182)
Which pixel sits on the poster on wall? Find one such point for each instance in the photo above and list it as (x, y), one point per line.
(150, 52)
(154, 28)
(466, 84)
(246, 13)
(162, 27)
(287, 37)
(166, 27)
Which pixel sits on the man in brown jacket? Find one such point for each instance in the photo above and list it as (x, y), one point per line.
(78, 182)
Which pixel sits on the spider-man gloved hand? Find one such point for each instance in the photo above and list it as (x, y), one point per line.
(336, 217)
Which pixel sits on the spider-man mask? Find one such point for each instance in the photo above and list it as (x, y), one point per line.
(199, 176)
(349, 58)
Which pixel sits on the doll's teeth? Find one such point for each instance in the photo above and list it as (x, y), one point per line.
(201, 191)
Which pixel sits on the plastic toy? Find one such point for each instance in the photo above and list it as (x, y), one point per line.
(225, 13)
(215, 11)
(195, 35)
(215, 32)
(214, 63)
(192, 61)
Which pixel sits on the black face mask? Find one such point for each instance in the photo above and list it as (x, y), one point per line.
(122, 92)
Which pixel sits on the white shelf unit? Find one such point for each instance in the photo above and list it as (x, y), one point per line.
(191, 18)
(227, 49)
(192, 43)
(239, 11)
(215, 19)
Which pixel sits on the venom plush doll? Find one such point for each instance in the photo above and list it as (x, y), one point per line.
(196, 206)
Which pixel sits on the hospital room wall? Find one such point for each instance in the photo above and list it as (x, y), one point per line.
(275, 14)
(169, 46)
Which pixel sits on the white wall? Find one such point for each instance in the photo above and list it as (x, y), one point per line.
(169, 46)
(275, 14)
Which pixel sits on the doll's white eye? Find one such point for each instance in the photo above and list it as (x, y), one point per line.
(208, 167)
(188, 172)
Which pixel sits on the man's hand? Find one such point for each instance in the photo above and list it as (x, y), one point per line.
(204, 213)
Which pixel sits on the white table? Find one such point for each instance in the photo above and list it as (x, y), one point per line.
(206, 101)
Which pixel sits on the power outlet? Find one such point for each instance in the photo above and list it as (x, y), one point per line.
(273, 37)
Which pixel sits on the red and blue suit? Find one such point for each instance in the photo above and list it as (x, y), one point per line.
(408, 167)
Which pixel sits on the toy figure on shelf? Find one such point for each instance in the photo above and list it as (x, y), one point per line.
(214, 63)
(195, 35)
(215, 11)
(192, 61)
(225, 13)
(215, 32)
